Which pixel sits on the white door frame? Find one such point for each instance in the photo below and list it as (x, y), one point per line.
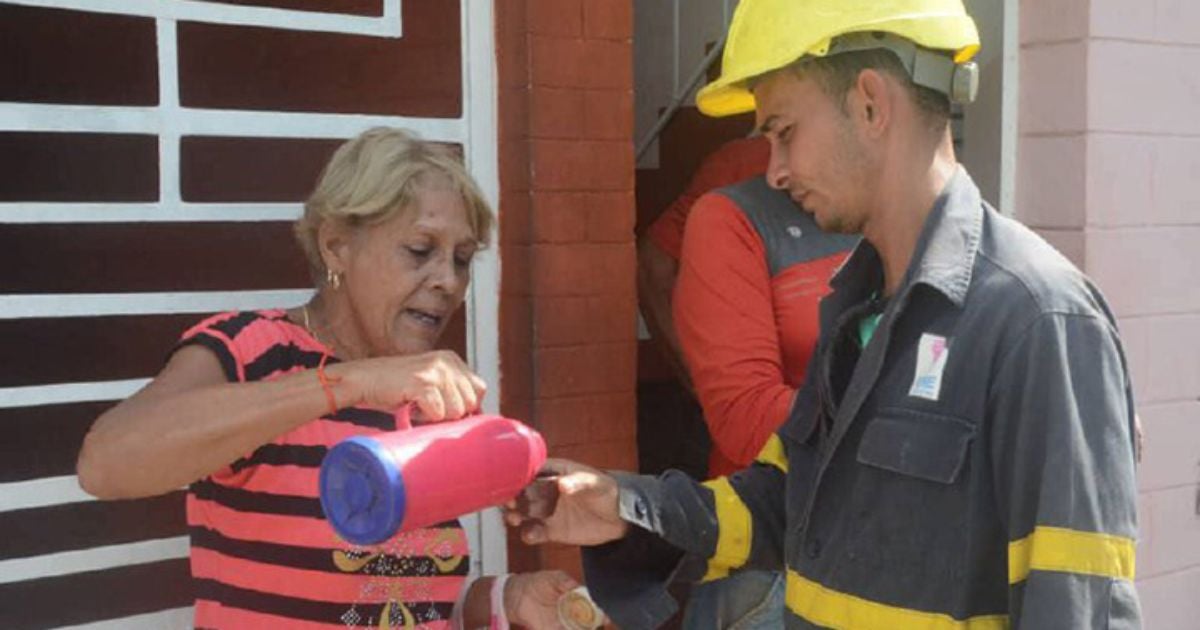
(480, 113)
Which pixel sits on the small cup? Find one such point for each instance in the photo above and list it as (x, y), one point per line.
(577, 611)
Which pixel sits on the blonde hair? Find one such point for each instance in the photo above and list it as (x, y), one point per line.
(374, 177)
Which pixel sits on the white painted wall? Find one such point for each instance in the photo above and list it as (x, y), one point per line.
(989, 130)
(1110, 157)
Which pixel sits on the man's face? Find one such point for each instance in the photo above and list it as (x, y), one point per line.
(816, 154)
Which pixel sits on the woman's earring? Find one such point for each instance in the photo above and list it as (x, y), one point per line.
(333, 279)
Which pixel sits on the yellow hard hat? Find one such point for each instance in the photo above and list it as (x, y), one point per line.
(766, 35)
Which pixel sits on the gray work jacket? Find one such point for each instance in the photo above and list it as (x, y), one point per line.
(971, 467)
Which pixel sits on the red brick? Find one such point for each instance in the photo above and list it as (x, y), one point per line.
(557, 113)
(567, 421)
(588, 419)
(599, 368)
(516, 218)
(512, 44)
(608, 65)
(514, 165)
(615, 317)
(557, 61)
(560, 321)
(608, 19)
(560, 432)
(568, 321)
(558, 218)
(609, 455)
(516, 277)
(516, 354)
(608, 115)
(600, 269)
(616, 422)
(560, 270)
(511, 19)
(611, 217)
(514, 104)
(616, 269)
(587, 165)
(512, 59)
(594, 63)
(518, 408)
(555, 17)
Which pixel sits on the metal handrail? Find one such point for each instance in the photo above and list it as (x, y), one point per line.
(677, 98)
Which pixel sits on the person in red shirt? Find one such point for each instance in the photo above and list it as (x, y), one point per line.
(659, 250)
(737, 306)
(744, 269)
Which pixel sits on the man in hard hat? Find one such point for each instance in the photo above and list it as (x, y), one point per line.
(967, 460)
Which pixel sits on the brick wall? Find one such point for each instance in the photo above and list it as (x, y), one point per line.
(568, 299)
(1109, 156)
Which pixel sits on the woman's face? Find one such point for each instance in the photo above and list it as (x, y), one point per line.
(405, 277)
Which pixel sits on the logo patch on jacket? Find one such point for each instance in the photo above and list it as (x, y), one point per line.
(931, 362)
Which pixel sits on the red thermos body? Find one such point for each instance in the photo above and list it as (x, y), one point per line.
(375, 486)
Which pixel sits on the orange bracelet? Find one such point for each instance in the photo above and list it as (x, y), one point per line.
(325, 381)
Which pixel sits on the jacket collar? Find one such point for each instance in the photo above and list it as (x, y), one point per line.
(945, 252)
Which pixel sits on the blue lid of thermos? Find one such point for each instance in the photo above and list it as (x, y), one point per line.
(362, 491)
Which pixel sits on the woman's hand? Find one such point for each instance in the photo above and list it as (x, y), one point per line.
(440, 383)
(531, 599)
(585, 510)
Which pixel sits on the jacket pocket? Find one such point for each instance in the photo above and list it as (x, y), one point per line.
(919, 444)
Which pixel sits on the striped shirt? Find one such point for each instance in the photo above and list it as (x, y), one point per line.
(262, 553)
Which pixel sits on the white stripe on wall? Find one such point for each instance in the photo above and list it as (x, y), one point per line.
(99, 304)
(173, 619)
(35, 212)
(34, 395)
(94, 559)
(25, 495)
(214, 122)
(388, 25)
(168, 112)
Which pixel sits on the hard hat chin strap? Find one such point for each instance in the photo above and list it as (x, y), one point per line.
(928, 68)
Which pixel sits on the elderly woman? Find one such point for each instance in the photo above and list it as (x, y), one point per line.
(248, 403)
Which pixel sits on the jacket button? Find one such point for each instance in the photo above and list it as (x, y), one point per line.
(814, 548)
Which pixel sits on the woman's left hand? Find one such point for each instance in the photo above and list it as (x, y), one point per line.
(531, 599)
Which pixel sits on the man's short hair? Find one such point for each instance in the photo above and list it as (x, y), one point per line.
(836, 74)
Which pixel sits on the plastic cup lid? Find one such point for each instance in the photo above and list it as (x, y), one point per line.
(362, 492)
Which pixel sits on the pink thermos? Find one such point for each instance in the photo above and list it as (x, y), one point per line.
(374, 486)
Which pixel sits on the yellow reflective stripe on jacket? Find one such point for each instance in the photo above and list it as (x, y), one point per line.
(772, 453)
(1071, 551)
(829, 608)
(733, 530)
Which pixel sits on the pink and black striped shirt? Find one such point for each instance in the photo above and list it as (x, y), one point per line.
(262, 553)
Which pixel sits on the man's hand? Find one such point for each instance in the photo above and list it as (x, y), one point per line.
(585, 511)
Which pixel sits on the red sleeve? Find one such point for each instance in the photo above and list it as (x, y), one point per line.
(733, 162)
(209, 334)
(725, 318)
